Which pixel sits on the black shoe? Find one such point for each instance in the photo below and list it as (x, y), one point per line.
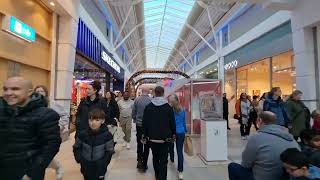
(229, 128)
(143, 169)
(139, 165)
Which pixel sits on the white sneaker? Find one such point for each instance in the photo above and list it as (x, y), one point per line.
(128, 146)
(124, 144)
(180, 176)
(60, 173)
(243, 138)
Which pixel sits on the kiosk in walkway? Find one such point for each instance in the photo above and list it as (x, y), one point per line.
(202, 100)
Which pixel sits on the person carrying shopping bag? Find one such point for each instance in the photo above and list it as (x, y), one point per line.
(181, 129)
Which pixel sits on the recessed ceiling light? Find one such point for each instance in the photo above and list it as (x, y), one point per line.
(52, 3)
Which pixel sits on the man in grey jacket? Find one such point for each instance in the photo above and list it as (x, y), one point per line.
(261, 157)
(137, 114)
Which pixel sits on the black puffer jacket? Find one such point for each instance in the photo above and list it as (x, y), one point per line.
(85, 106)
(112, 113)
(29, 139)
(93, 150)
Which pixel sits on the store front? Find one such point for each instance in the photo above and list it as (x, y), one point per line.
(262, 64)
(94, 62)
(25, 41)
(209, 72)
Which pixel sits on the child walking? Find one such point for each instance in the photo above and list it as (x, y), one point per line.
(94, 147)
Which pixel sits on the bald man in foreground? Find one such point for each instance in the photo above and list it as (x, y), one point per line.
(29, 132)
(137, 114)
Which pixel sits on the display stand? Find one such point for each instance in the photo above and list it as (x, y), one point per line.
(214, 143)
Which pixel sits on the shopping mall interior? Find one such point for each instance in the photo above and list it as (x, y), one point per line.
(196, 49)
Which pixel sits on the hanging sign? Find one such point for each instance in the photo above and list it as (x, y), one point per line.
(110, 61)
(19, 29)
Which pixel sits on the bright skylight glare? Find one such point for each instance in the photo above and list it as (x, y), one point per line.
(164, 20)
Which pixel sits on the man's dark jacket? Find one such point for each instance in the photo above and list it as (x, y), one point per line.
(29, 139)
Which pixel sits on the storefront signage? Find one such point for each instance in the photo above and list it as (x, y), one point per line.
(111, 62)
(231, 65)
(18, 28)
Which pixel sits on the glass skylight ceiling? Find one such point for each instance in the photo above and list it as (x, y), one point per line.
(164, 20)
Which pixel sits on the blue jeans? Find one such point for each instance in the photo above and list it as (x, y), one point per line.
(179, 146)
(237, 172)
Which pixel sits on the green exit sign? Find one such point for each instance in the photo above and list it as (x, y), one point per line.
(18, 28)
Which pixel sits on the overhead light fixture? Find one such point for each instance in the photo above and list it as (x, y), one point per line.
(52, 3)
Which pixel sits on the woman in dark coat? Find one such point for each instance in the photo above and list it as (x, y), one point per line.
(298, 113)
(113, 112)
(92, 101)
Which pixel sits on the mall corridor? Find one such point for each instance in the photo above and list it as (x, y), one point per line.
(123, 164)
(176, 69)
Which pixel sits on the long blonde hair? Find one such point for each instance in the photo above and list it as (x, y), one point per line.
(176, 105)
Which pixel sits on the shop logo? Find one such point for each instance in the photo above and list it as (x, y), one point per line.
(231, 65)
(111, 62)
(18, 28)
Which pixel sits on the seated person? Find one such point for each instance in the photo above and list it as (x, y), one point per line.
(261, 157)
(316, 120)
(298, 166)
(306, 136)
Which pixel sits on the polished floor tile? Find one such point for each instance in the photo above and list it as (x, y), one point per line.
(123, 164)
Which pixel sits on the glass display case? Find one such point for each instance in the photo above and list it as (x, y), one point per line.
(202, 99)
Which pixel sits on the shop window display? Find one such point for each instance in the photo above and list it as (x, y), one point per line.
(283, 73)
(254, 79)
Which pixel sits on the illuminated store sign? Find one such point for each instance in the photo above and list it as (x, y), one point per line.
(18, 28)
(111, 62)
(231, 65)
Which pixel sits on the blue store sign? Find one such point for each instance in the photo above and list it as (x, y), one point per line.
(18, 28)
(91, 47)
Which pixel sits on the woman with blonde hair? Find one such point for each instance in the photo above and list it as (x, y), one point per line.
(181, 129)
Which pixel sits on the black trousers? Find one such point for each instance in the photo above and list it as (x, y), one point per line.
(226, 117)
(160, 159)
(142, 149)
(171, 151)
(245, 128)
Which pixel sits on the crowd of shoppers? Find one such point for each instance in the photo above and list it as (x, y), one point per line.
(285, 146)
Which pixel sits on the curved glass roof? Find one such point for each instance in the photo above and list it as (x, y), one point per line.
(164, 20)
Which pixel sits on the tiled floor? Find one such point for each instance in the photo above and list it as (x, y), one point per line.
(123, 164)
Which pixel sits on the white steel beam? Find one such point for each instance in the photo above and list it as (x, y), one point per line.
(204, 40)
(128, 35)
(123, 24)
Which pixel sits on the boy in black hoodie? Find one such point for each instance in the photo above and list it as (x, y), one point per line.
(94, 147)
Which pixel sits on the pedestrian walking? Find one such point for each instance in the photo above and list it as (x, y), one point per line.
(29, 131)
(298, 114)
(63, 124)
(261, 102)
(181, 130)
(159, 129)
(125, 107)
(94, 147)
(243, 110)
(92, 101)
(226, 108)
(137, 115)
(113, 112)
(275, 104)
(254, 112)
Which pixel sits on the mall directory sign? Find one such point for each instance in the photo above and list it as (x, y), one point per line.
(18, 28)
